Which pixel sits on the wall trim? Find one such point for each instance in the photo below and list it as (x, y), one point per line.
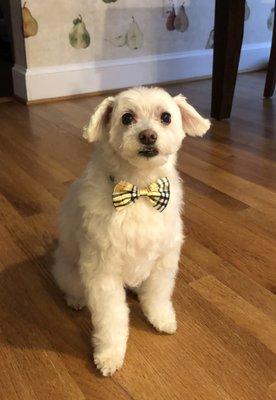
(75, 79)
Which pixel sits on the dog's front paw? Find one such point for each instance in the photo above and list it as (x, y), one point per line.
(109, 360)
(163, 319)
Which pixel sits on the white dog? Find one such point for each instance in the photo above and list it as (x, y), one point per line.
(105, 247)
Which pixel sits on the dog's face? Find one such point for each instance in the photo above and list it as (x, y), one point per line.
(145, 125)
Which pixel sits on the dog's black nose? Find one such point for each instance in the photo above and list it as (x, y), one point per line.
(147, 137)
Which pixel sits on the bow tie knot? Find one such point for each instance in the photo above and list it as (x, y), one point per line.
(158, 193)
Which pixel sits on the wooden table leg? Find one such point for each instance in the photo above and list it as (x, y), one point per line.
(271, 69)
(229, 24)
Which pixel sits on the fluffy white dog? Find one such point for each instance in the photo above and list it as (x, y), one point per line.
(104, 248)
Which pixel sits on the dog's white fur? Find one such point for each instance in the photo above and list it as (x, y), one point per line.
(101, 250)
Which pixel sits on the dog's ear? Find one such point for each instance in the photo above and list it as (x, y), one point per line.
(99, 120)
(193, 123)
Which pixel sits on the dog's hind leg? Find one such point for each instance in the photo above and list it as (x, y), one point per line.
(67, 277)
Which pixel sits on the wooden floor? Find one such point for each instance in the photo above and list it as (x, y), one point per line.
(226, 341)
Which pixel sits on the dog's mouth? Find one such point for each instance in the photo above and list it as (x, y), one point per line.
(148, 152)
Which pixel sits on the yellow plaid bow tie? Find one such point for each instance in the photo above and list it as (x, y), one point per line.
(158, 193)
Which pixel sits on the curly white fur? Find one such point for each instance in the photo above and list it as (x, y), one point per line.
(101, 250)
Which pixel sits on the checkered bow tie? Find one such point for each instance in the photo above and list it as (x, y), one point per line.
(158, 193)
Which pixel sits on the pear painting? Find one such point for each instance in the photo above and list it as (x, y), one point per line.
(79, 37)
(177, 19)
(270, 19)
(170, 20)
(133, 38)
(181, 22)
(30, 25)
(119, 41)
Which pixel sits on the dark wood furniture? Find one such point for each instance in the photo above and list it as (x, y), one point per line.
(271, 70)
(6, 50)
(229, 26)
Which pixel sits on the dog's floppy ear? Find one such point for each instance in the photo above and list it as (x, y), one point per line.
(193, 123)
(99, 120)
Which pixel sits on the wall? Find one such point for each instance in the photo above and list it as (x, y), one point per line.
(56, 68)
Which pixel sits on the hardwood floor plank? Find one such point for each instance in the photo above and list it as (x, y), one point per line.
(13, 384)
(245, 359)
(249, 193)
(272, 391)
(256, 140)
(245, 250)
(63, 144)
(236, 161)
(210, 192)
(263, 222)
(227, 209)
(47, 331)
(41, 169)
(189, 270)
(245, 315)
(201, 262)
(160, 369)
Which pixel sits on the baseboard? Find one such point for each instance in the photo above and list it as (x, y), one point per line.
(109, 92)
(100, 76)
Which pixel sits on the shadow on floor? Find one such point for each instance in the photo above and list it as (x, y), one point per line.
(34, 314)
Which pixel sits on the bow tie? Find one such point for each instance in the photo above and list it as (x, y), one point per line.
(158, 193)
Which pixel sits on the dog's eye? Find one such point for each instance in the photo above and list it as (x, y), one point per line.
(127, 119)
(166, 118)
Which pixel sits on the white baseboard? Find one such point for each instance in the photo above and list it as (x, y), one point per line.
(73, 79)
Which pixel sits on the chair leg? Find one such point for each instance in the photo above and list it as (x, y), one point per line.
(271, 69)
(229, 25)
